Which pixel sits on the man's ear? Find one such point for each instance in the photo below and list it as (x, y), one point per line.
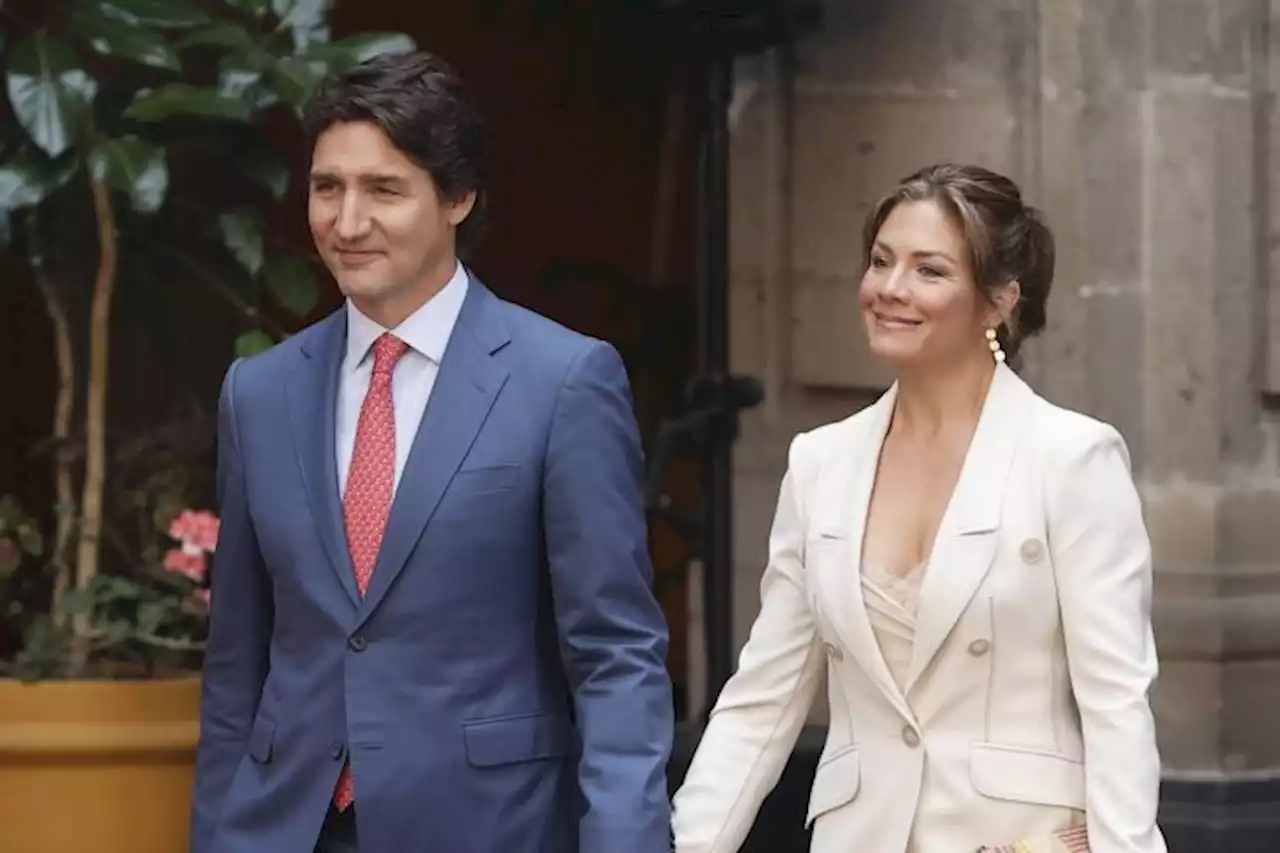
(460, 208)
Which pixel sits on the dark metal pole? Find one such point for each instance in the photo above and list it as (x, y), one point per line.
(714, 282)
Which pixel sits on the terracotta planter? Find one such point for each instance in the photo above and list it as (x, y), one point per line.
(97, 766)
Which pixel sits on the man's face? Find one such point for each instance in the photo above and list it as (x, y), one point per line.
(379, 222)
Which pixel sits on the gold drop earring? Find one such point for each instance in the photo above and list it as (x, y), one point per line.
(994, 345)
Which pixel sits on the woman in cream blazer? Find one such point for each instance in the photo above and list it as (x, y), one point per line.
(998, 692)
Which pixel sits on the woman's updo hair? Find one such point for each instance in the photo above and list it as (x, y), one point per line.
(1007, 239)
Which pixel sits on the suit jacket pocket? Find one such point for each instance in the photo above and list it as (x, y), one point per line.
(1026, 775)
(485, 479)
(511, 740)
(835, 783)
(261, 738)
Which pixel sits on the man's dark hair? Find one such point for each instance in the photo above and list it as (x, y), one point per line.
(419, 101)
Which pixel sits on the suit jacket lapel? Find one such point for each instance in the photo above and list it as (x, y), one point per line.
(313, 393)
(846, 495)
(465, 390)
(965, 546)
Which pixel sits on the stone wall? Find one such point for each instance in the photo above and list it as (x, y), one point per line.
(1146, 131)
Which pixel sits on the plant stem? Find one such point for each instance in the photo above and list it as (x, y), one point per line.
(214, 283)
(63, 410)
(95, 462)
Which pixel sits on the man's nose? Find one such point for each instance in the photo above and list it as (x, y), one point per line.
(353, 222)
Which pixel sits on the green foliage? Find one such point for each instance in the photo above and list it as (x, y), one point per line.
(139, 141)
(121, 88)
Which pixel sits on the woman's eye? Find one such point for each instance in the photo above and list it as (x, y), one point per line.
(879, 263)
(930, 272)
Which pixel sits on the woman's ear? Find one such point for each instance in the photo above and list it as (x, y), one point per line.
(1006, 303)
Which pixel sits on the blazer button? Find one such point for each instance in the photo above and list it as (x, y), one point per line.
(978, 648)
(833, 651)
(909, 737)
(1032, 551)
(358, 643)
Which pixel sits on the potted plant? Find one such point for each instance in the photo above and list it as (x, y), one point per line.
(139, 143)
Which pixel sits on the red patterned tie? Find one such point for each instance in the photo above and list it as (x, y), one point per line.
(370, 486)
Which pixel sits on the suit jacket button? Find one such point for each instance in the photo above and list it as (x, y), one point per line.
(909, 737)
(978, 648)
(833, 651)
(358, 643)
(1032, 551)
(336, 750)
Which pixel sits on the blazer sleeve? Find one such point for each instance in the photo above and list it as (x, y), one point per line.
(612, 631)
(759, 713)
(236, 653)
(1102, 558)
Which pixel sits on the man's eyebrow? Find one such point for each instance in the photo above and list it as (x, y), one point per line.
(367, 178)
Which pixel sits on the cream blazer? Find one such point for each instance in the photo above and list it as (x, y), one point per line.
(1026, 705)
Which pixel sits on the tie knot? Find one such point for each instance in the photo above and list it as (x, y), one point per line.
(387, 350)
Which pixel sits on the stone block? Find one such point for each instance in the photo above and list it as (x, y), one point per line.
(1248, 529)
(1183, 37)
(1111, 39)
(747, 322)
(1251, 706)
(1181, 377)
(1187, 702)
(1182, 521)
(849, 151)
(924, 45)
(828, 344)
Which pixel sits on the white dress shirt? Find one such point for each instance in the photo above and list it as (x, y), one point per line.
(427, 333)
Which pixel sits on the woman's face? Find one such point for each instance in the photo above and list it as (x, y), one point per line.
(920, 304)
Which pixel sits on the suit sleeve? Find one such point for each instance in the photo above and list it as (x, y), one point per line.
(1102, 556)
(236, 653)
(613, 635)
(760, 712)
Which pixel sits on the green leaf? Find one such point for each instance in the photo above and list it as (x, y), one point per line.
(184, 99)
(308, 20)
(31, 540)
(257, 8)
(133, 166)
(290, 281)
(168, 14)
(115, 38)
(242, 233)
(78, 602)
(241, 77)
(269, 173)
(295, 78)
(349, 52)
(50, 91)
(252, 343)
(30, 177)
(220, 34)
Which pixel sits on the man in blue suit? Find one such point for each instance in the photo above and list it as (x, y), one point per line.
(433, 628)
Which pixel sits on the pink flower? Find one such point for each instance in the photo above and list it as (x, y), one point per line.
(197, 530)
(203, 595)
(8, 550)
(181, 561)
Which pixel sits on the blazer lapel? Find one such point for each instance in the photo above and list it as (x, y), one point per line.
(465, 389)
(313, 392)
(846, 491)
(965, 545)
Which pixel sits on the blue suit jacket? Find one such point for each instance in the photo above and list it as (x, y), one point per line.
(502, 687)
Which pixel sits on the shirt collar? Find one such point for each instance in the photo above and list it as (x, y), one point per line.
(426, 330)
